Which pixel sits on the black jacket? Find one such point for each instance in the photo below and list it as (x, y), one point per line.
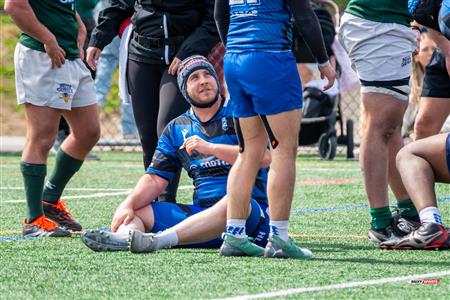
(163, 29)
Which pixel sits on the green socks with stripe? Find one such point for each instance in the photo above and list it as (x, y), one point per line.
(65, 167)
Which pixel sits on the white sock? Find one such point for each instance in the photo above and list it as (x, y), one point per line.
(280, 229)
(430, 214)
(236, 227)
(166, 239)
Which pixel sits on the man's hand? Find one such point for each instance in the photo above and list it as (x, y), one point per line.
(93, 54)
(196, 143)
(173, 68)
(328, 72)
(123, 215)
(55, 52)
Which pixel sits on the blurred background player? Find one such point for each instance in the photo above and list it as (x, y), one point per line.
(203, 142)
(266, 96)
(52, 80)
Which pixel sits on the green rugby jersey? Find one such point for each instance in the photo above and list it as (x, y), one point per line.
(382, 11)
(60, 18)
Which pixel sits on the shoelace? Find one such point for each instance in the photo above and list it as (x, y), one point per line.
(62, 206)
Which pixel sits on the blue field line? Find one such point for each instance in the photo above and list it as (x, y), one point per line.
(299, 211)
(344, 207)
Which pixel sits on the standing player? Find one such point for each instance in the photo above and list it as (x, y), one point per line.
(51, 81)
(380, 44)
(266, 98)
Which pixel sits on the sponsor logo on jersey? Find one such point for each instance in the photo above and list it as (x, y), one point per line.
(184, 132)
(213, 163)
(224, 124)
(65, 91)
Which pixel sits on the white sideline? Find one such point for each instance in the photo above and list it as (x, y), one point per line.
(294, 291)
(118, 192)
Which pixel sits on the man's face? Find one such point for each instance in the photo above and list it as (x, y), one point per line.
(201, 86)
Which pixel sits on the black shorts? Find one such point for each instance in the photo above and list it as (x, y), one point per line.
(436, 82)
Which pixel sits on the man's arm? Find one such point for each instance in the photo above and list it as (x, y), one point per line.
(24, 17)
(228, 153)
(222, 18)
(309, 27)
(82, 33)
(148, 188)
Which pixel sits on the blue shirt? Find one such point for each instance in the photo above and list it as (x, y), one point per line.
(209, 173)
(259, 25)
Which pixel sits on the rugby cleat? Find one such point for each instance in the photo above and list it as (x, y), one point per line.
(429, 236)
(390, 233)
(139, 242)
(43, 227)
(100, 240)
(278, 248)
(58, 213)
(233, 246)
(398, 228)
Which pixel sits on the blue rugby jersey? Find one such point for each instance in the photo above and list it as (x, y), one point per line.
(209, 173)
(259, 25)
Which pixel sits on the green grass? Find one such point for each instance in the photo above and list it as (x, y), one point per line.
(65, 268)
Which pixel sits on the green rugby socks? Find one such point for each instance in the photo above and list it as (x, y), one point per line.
(33, 179)
(381, 217)
(65, 167)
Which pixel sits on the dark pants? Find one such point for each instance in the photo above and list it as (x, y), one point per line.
(156, 101)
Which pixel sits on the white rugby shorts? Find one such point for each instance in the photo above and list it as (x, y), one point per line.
(37, 83)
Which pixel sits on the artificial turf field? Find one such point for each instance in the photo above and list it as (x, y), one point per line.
(329, 216)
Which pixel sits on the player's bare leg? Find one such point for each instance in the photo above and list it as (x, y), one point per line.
(431, 116)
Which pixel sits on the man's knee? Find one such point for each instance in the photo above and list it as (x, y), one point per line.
(88, 135)
(41, 143)
(404, 157)
(146, 216)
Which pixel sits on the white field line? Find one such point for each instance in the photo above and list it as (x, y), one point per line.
(118, 192)
(98, 195)
(347, 285)
(182, 187)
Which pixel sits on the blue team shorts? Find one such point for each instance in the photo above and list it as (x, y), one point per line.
(264, 83)
(447, 149)
(168, 214)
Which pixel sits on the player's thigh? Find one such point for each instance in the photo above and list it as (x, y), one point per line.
(436, 151)
(166, 214)
(84, 121)
(382, 110)
(42, 123)
(286, 127)
(435, 110)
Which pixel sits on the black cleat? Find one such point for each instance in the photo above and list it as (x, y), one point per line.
(43, 227)
(59, 214)
(429, 236)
